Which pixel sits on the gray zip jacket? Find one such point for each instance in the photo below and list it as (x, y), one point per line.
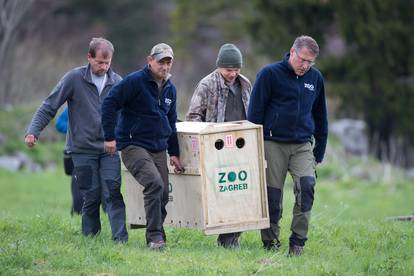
(85, 134)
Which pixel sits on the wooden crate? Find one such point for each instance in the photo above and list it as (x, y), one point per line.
(223, 188)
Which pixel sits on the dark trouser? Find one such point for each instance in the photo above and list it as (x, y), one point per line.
(298, 159)
(151, 171)
(77, 200)
(94, 173)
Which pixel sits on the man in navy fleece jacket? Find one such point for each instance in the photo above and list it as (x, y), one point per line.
(144, 131)
(288, 99)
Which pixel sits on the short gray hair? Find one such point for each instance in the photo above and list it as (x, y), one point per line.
(100, 43)
(307, 42)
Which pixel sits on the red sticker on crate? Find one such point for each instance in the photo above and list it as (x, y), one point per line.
(229, 141)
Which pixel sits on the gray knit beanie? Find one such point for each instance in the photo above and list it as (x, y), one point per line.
(229, 56)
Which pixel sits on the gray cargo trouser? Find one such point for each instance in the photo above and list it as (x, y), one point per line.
(298, 159)
(94, 173)
(151, 171)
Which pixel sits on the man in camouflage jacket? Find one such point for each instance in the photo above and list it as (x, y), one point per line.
(211, 97)
(222, 96)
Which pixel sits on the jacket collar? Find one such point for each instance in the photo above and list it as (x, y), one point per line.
(87, 75)
(244, 82)
(286, 63)
(149, 77)
(222, 82)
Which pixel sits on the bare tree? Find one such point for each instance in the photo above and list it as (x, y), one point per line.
(11, 15)
(18, 22)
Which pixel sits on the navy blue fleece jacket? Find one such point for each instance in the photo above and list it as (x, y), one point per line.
(291, 108)
(146, 119)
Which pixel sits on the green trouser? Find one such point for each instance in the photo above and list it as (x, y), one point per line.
(298, 159)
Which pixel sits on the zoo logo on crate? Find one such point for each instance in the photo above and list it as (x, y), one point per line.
(170, 188)
(232, 180)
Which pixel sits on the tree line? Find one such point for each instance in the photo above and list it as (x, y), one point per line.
(366, 48)
(366, 54)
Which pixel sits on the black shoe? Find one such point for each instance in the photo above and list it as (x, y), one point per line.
(229, 245)
(272, 245)
(236, 243)
(295, 250)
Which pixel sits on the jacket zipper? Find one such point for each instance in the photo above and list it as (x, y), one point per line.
(160, 94)
(297, 115)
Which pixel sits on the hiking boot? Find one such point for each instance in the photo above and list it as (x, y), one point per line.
(158, 245)
(236, 243)
(231, 240)
(295, 250)
(231, 245)
(273, 245)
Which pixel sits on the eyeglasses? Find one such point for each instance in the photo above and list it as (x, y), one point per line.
(302, 60)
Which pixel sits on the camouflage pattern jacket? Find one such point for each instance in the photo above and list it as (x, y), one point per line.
(208, 103)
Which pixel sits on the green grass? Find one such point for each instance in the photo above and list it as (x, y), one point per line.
(14, 123)
(349, 235)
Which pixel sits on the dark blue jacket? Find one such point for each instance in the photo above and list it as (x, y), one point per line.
(146, 119)
(291, 108)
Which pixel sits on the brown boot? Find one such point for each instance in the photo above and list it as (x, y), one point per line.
(157, 246)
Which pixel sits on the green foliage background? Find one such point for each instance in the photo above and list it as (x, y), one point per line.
(372, 76)
(14, 122)
(369, 74)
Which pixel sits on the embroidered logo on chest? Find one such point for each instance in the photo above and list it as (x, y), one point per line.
(168, 101)
(309, 86)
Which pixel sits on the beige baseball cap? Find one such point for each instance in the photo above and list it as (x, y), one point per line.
(161, 50)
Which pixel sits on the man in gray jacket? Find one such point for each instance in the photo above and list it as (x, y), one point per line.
(84, 89)
(222, 96)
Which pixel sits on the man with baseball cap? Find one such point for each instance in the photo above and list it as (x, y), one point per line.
(145, 131)
(162, 50)
(222, 96)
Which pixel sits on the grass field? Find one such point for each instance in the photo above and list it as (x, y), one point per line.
(349, 235)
